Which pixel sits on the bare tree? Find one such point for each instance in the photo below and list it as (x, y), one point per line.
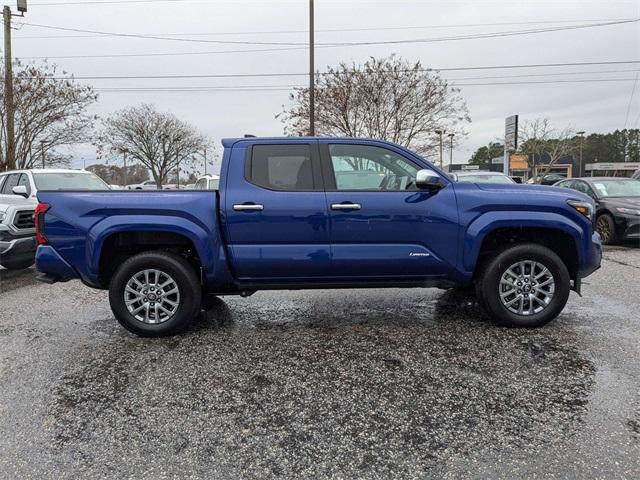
(159, 141)
(387, 98)
(544, 144)
(49, 113)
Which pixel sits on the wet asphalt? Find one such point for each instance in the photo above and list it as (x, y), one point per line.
(401, 383)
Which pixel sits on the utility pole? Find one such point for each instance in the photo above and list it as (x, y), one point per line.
(42, 153)
(581, 134)
(8, 90)
(312, 83)
(440, 132)
(451, 135)
(205, 162)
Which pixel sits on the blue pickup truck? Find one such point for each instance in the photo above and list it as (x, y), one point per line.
(301, 213)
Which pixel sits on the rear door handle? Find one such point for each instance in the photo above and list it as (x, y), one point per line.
(346, 206)
(248, 207)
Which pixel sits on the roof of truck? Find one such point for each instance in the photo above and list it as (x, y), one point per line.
(229, 142)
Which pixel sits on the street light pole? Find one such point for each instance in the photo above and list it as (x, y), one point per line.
(581, 134)
(440, 132)
(451, 135)
(312, 86)
(205, 162)
(124, 171)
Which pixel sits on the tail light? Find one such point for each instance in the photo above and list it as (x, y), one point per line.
(41, 209)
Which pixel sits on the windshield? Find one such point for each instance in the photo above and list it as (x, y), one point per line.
(617, 188)
(68, 181)
(485, 179)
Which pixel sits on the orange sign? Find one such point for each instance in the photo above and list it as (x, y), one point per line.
(519, 162)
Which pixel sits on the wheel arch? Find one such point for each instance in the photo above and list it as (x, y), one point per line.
(558, 233)
(115, 241)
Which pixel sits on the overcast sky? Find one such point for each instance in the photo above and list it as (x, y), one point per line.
(589, 106)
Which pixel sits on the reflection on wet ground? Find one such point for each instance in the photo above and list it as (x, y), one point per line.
(401, 383)
(382, 383)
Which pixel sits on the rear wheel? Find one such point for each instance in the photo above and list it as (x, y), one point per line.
(526, 285)
(155, 294)
(606, 227)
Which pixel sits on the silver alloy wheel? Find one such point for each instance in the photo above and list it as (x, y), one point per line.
(526, 288)
(152, 296)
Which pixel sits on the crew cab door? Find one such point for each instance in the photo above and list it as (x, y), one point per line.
(382, 226)
(275, 212)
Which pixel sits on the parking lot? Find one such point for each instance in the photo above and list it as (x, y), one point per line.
(343, 384)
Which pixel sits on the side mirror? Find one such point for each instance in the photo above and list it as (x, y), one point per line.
(428, 180)
(20, 190)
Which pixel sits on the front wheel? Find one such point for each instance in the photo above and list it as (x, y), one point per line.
(606, 227)
(155, 294)
(526, 285)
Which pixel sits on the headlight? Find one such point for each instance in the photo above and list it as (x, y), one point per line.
(584, 208)
(628, 211)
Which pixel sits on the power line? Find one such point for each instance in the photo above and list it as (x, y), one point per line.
(343, 44)
(274, 74)
(294, 85)
(341, 30)
(633, 91)
(278, 88)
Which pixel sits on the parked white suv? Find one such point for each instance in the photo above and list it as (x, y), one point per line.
(208, 182)
(18, 189)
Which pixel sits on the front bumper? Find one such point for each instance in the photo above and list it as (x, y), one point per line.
(16, 247)
(628, 227)
(593, 256)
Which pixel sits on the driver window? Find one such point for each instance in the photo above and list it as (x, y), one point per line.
(12, 181)
(583, 188)
(24, 181)
(363, 167)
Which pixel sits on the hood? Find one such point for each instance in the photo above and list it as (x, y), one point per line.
(525, 189)
(629, 202)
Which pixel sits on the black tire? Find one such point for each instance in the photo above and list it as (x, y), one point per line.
(488, 285)
(185, 278)
(17, 264)
(606, 227)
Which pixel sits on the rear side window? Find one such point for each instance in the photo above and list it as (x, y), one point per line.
(281, 167)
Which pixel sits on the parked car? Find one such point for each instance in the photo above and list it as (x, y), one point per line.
(148, 185)
(280, 220)
(207, 182)
(17, 236)
(482, 177)
(18, 189)
(617, 205)
(549, 179)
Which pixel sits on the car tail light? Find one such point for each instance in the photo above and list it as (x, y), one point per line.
(41, 209)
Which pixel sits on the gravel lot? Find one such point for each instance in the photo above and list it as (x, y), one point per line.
(341, 384)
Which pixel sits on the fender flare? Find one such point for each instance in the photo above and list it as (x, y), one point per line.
(200, 238)
(488, 222)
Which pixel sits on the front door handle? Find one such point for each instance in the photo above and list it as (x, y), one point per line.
(346, 206)
(248, 207)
